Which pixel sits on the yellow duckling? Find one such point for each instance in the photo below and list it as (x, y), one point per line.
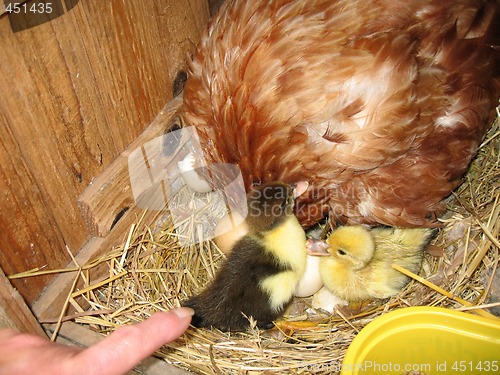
(359, 265)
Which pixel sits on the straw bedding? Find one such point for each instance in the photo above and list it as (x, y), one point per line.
(152, 271)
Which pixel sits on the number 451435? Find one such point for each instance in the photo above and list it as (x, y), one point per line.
(25, 8)
(481, 366)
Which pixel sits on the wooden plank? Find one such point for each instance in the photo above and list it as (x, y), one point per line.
(106, 196)
(75, 92)
(51, 302)
(109, 195)
(49, 306)
(30, 236)
(14, 313)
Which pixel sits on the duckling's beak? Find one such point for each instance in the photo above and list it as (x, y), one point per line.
(299, 188)
(318, 248)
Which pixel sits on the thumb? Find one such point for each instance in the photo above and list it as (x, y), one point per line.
(127, 346)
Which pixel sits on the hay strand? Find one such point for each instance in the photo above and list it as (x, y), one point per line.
(155, 270)
(433, 286)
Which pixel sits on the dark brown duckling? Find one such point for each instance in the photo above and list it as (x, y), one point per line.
(262, 269)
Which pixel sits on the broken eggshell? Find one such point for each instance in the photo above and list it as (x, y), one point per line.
(191, 177)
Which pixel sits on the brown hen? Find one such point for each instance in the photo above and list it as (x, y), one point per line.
(379, 105)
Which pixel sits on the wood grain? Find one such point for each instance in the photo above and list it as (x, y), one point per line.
(75, 92)
(14, 313)
(108, 194)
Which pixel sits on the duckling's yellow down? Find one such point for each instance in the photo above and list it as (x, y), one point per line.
(360, 265)
(286, 243)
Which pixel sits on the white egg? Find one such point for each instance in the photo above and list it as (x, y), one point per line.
(191, 177)
(228, 231)
(310, 282)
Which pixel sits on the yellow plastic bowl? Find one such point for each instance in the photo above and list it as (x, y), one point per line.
(427, 340)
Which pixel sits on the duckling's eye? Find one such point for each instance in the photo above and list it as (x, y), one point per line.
(341, 252)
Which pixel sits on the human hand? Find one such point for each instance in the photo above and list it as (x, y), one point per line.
(114, 355)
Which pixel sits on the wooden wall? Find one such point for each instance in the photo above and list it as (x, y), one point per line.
(13, 310)
(75, 91)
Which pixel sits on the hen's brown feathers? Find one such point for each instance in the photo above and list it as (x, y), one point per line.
(379, 105)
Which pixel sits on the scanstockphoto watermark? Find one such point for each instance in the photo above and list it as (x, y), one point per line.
(369, 366)
(434, 367)
(387, 367)
(170, 172)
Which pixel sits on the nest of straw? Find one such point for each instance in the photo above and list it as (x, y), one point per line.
(153, 271)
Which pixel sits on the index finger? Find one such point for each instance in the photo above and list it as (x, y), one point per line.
(127, 346)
